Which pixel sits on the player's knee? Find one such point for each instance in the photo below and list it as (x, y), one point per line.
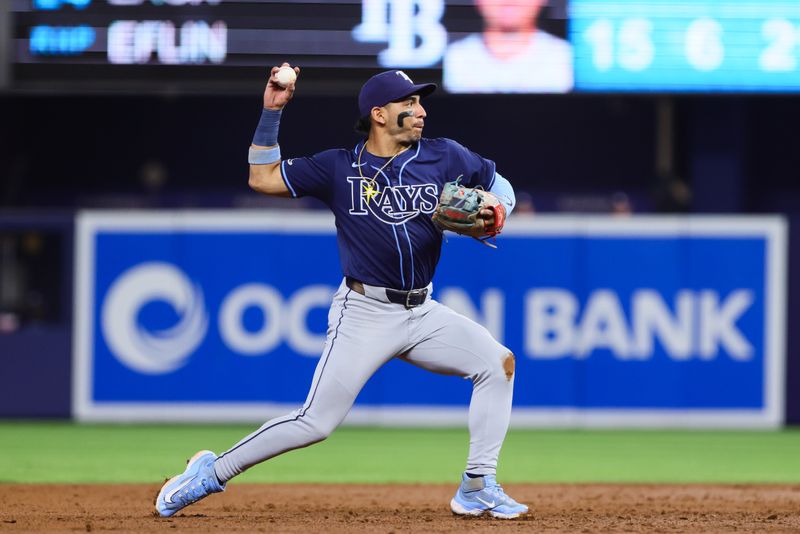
(509, 364)
(316, 435)
(321, 431)
(501, 371)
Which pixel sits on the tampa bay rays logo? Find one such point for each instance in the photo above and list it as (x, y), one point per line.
(392, 204)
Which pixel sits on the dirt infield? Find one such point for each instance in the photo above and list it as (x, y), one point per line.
(403, 508)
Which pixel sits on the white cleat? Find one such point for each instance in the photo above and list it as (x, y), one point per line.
(196, 482)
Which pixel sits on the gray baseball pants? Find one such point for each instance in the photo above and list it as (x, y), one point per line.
(365, 332)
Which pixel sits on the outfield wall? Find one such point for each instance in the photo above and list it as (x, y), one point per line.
(639, 321)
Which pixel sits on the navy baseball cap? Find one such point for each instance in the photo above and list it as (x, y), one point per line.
(387, 87)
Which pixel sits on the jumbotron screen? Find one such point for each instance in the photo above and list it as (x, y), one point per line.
(469, 46)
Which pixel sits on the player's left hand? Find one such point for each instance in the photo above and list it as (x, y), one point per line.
(486, 219)
(483, 222)
(277, 96)
(468, 211)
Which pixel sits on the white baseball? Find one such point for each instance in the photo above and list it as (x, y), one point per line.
(285, 76)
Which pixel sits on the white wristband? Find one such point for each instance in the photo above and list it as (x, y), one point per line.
(258, 156)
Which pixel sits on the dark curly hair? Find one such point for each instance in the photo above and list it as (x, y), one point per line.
(363, 125)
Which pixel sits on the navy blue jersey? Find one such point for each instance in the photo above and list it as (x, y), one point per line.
(385, 233)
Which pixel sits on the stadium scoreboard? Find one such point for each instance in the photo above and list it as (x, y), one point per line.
(668, 46)
(686, 45)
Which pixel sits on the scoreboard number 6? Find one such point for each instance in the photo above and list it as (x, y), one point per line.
(704, 48)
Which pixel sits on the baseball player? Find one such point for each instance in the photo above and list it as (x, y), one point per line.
(383, 192)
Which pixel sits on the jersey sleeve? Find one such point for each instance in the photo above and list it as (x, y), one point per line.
(474, 170)
(310, 176)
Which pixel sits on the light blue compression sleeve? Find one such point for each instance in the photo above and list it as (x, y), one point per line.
(502, 188)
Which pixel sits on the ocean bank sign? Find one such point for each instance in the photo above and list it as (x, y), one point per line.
(641, 321)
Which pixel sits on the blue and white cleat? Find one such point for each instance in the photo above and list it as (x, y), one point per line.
(476, 496)
(196, 482)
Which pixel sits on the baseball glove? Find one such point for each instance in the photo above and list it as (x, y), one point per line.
(459, 211)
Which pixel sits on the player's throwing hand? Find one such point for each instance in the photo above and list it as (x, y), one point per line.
(276, 95)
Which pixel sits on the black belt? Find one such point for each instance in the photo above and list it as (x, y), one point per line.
(409, 299)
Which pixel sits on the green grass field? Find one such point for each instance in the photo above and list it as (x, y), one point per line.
(64, 452)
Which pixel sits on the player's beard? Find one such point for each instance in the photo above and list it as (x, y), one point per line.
(407, 136)
(409, 139)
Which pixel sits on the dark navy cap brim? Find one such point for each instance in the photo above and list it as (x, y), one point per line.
(423, 90)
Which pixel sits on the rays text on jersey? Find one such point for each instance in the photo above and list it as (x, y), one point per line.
(391, 204)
